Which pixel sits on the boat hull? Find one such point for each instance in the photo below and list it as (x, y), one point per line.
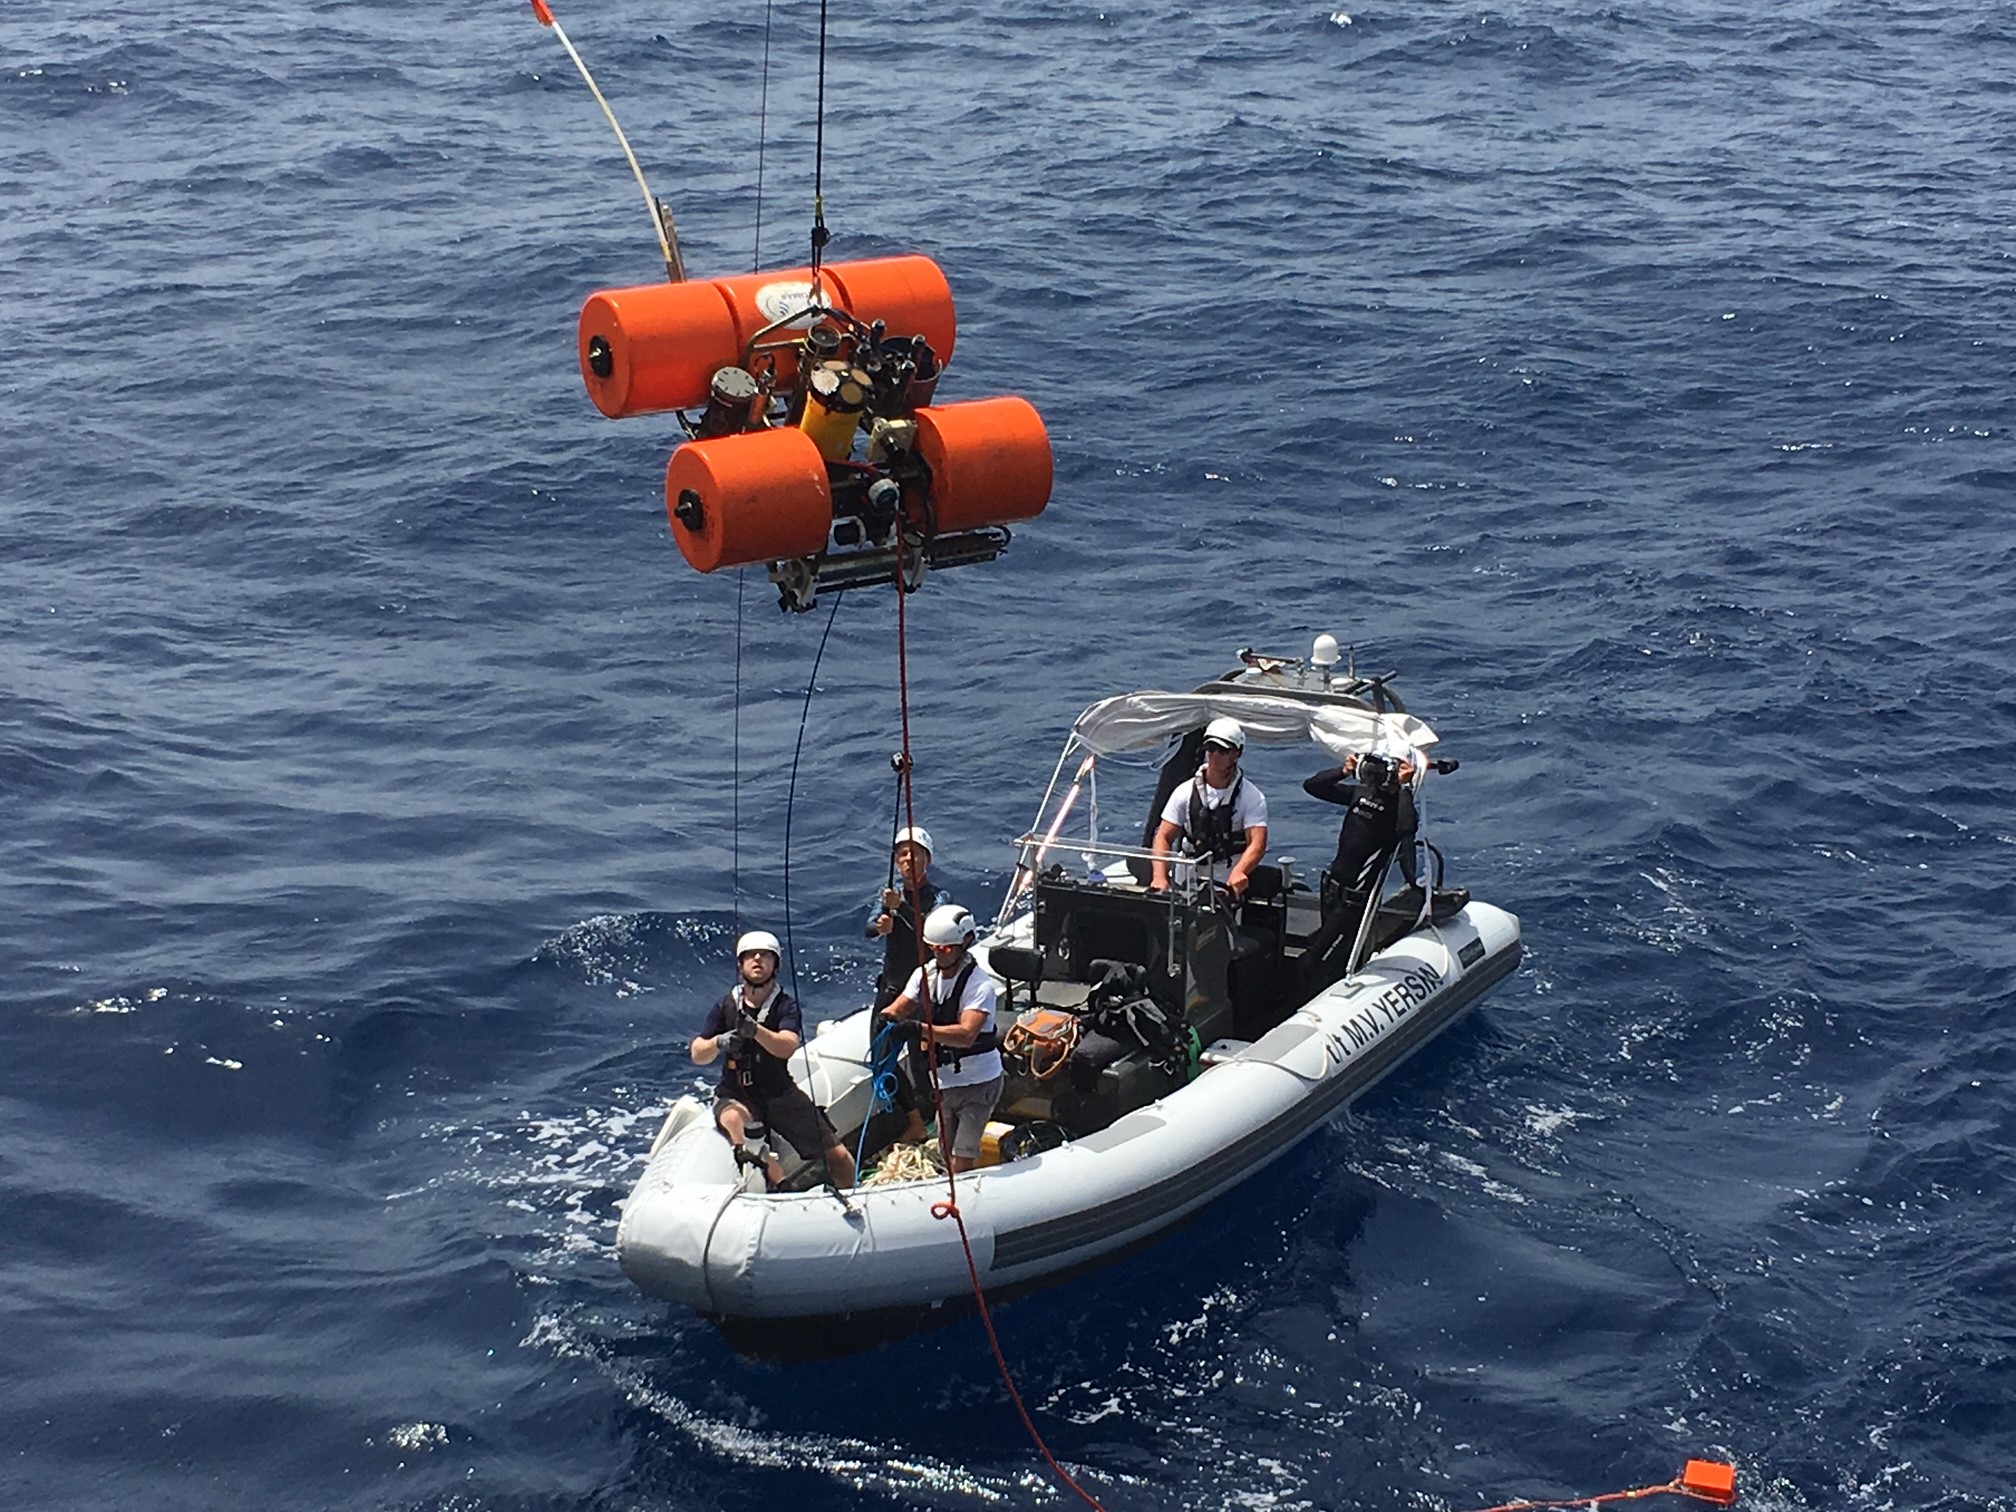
(794, 1273)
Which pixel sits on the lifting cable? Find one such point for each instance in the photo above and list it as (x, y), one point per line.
(762, 134)
(949, 1208)
(735, 789)
(742, 573)
(819, 233)
(791, 803)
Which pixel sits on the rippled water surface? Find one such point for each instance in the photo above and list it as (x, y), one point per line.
(1636, 381)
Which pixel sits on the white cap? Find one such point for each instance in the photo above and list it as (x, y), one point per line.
(1225, 732)
(1324, 653)
(758, 939)
(916, 834)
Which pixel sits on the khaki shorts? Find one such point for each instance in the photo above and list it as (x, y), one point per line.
(965, 1114)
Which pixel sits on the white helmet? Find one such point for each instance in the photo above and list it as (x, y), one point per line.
(1225, 732)
(949, 924)
(916, 834)
(758, 939)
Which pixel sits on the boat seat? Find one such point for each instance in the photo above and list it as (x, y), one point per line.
(1079, 925)
(1093, 935)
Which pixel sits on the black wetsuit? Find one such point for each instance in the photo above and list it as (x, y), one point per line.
(899, 959)
(1377, 819)
(900, 955)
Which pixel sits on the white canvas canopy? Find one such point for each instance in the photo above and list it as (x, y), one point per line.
(1145, 721)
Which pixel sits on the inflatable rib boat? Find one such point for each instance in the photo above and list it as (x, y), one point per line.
(1205, 1043)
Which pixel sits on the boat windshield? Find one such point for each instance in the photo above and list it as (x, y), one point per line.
(1270, 709)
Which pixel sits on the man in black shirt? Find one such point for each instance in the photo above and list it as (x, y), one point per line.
(754, 1031)
(899, 912)
(897, 918)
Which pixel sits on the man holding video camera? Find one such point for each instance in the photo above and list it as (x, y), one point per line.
(1377, 793)
(754, 1031)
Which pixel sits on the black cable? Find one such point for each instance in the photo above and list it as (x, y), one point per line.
(762, 134)
(902, 766)
(791, 795)
(735, 799)
(819, 159)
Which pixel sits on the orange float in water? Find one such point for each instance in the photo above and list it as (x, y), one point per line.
(655, 347)
(989, 461)
(756, 497)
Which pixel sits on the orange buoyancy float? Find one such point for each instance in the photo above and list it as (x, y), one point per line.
(755, 497)
(655, 347)
(989, 461)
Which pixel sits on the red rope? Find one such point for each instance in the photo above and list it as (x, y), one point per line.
(949, 1208)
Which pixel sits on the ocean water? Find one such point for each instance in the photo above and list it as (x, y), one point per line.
(1637, 381)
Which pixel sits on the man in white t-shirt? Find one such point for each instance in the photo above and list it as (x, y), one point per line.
(1216, 814)
(954, 999)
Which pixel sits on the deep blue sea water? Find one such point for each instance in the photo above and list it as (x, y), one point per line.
(1639, 381)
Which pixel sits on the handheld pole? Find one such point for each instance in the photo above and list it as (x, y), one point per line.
(661, 217)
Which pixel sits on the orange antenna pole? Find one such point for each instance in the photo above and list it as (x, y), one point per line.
(661, 218)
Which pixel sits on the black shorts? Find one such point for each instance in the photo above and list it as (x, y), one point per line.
(790, 1116)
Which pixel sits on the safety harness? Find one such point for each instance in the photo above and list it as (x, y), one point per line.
(945, 1012)
(1207, 830)
(747, 1068)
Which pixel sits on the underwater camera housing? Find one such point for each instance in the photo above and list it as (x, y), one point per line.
(1376, 771)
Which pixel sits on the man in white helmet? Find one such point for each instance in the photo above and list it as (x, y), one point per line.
(953, 1000)
(1217, 815)
(897, 919)
(754, 1031)
(898, 912)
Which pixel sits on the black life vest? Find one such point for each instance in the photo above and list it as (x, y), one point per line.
(747, 1069)
(948, 1011)
(1207, 831)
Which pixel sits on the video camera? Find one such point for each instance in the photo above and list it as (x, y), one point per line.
(1376, 771)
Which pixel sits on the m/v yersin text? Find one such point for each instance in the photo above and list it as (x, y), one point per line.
(1386, 1010)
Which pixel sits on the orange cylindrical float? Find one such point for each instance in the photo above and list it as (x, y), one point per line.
(756, 497)
(989, 461)
(655, 347)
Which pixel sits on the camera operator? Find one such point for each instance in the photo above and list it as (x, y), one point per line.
(754, 1031)
(1377, 793)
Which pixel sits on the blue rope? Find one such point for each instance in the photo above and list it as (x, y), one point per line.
(882, 1089)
